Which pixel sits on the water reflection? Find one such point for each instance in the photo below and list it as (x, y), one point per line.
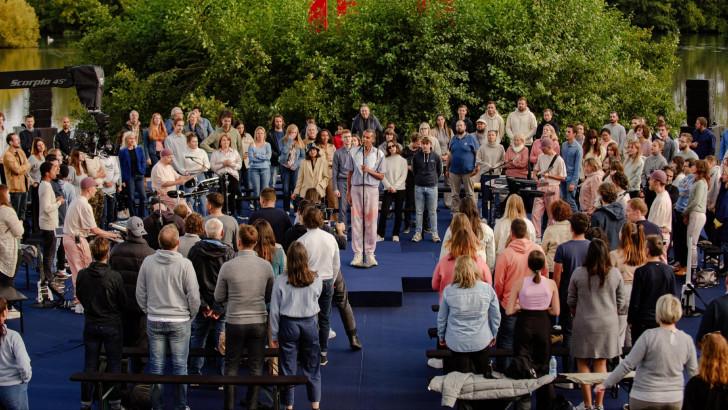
(14, 103)
(704, 58)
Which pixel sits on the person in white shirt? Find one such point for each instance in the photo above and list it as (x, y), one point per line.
(522, 121)
(165, 179)
(494, 121)
(550, 170)
(196, 164)
(661, 208)
(48, 205)
(323, 258)
(394, 190)
(112, 185)
(177, 142)
(226, 163)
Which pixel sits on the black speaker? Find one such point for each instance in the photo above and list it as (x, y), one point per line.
(41, 103)
(697, 100)
(89, 82)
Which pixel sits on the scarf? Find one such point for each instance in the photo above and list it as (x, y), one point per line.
(517, 149)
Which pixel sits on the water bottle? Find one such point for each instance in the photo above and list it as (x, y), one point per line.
(552, 367)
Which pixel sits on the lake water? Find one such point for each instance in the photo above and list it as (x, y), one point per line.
(701, 57)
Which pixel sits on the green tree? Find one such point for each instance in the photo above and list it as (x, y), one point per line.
(59, 17)
(578, 57)
(18, 25)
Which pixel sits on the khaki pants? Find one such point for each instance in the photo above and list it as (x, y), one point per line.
(456, 182)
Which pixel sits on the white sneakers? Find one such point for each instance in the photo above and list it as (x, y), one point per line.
(358, 260)
(13, 314)
(332, 334)
(395, 238)
(436, 238)
(371, 260)
(417, 237)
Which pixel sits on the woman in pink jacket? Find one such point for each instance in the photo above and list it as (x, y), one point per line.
(463, 243)
(588, 194)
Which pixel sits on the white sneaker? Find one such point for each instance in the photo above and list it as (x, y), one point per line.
(13, 314)
(78, 309)
(332, 334)
(435, 238)
(435, 363)
(371, 260)
(380, 239)
(417, 237)
(395, 238)
(358, 260)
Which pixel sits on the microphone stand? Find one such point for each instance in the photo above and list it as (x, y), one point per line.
(363, 202)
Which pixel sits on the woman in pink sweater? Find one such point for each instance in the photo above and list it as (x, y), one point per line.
(463, 242)
(593, 178)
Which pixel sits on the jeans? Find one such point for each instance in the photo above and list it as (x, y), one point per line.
(288, 182)
(324, 315)
(398, 198)
(426, 199)
(504, 340)
(199, 332)
(272, 179)
(94, 337)
(569, 197)
(239, 338)
(295, 334)
(176, 335)
(136, 186)
(259, 179)
(14, 397)
(343, 204)
(109, 214)
(19, 201)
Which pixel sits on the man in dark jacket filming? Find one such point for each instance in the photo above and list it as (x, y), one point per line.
(207, 256)
(101, 292)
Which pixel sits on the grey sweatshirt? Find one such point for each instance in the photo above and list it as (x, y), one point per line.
(287, 300)
(14, 360)
(659, 357)
(652, 163)
(490, 155)
(167, 289)
(244, 284)
(698, 197)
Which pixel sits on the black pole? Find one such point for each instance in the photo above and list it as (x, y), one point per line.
(363, 205)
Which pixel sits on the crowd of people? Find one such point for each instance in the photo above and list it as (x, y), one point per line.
(614, 208)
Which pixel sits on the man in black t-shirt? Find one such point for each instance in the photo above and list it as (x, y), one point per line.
(277, 218)
(637, 212)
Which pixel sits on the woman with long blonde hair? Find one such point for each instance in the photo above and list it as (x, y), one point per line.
(515, 209)
(629, 255)
(463, 243)
(292, 153)
(633, 167)
(154, 137)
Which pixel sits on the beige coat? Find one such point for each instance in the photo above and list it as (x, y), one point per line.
(16, 170)
(11, 230)
(312, 177)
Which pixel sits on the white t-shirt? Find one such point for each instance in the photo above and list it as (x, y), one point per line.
(661, 212)
(163, 173)
(558, 169)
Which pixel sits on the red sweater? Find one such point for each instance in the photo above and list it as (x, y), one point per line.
(445, 270)
(511, 267)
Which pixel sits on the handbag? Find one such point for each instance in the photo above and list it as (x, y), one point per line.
(706, 278)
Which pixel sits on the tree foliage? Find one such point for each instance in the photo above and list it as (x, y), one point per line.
(674, 15)
(578, 57)
(59, 17)
(18, 24)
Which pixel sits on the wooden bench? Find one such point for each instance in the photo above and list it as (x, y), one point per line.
(279, 382)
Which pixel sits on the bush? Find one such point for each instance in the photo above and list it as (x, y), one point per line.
(18, 25)
(578, 57)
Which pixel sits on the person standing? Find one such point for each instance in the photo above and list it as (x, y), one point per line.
(279, 220)
(48, 205)
(11, 230)
(694, 214)
(426, 167)
(259, 156)
(633, 166)
(703, 139)
(588, 193)
(110, 187)
(226, 163)
(133, 168)
(630, 255)
(394, 190)
(153, 139)
(16, 166)
(291, 155)
(596, 295)
(685, 144)
(165, 179)
(616, 130)
(367, 171)
(708, 390)
(245, 297)
(176, 142)
(339, 172)
(653, 162)
(15, 370)
(364, 121)
(550, 171)
(462, 164)
(571, 152)
(215, 203)
(494, 121)
(207, 257)
(522, 121)
(323, 258)
(63, 140)
(313, 173)
(293, 310)
(101, 292)
(274, 137)
(28, 134)
(611, 215)
(168, 293)
(669, 145)
(212, 142)
(661, 208)
(516, 158)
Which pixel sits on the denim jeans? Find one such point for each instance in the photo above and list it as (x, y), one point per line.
(200, 330)
(343, 204)
(504, 340)
(94, 337)
(14, 397)
(198, 203)
(288, 182)
(259, 179)
(272, 178)
(295, 334)
(237, 339)
(136, 186)
(324, 315)
(19, 201)
(426, 198)
(569, 197)
(176, 335)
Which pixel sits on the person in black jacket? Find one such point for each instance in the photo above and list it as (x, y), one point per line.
(158, 217)
(126, 258)
(207, 256)
(274, 137)
(62, 139)
(101, 292)
(28, 134)
(715, 317)
(651, 280)
(341, 295)
(426, 167)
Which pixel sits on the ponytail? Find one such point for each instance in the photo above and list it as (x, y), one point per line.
(536, 262)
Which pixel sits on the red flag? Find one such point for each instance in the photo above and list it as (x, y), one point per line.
(318, 14)
(342, 5)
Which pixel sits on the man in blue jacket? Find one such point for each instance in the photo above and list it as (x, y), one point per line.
(572, 152)
(462, 164)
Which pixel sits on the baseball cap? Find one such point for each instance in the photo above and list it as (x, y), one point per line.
(135, 227)
(166, 152)
(659, 175)
(87, 182)
(546, 143)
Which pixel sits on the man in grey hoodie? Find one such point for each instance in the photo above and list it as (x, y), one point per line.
(168, 293)
(611, 215)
